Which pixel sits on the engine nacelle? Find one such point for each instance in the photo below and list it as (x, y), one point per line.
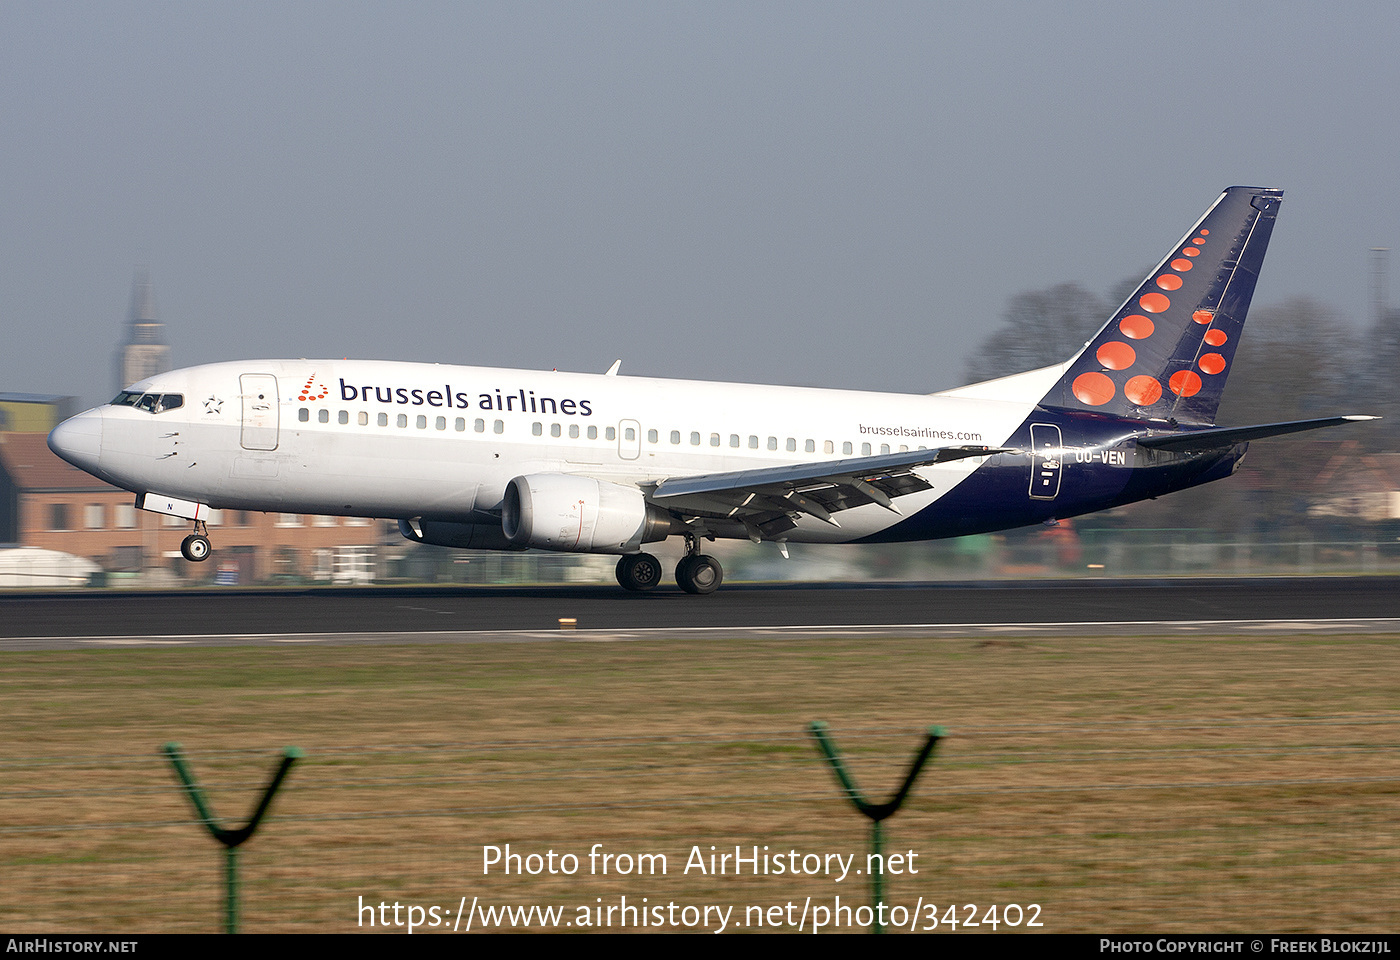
(553, 511)
(464, 536)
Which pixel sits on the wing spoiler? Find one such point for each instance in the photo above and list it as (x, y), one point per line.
(863, 468)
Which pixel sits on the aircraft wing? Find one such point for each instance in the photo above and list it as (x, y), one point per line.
(1216, 437)
(764, 499)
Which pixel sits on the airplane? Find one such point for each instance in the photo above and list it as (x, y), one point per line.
(499, 459)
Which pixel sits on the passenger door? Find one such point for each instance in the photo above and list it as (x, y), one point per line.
(260, 411)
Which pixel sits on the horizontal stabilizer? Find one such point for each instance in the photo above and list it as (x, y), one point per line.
(1225, 436)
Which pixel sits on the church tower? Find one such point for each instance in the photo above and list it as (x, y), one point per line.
(145, 353)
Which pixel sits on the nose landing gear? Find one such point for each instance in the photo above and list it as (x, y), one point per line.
(196, 547)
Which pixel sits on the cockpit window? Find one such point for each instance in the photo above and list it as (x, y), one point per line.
(150, 402)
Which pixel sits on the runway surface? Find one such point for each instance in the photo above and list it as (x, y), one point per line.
(476, 614)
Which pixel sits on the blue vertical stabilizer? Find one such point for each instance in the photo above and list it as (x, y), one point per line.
(1165, 354)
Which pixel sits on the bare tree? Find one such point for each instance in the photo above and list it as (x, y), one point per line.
(1040, 327)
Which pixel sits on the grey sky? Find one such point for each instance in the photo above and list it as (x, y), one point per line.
(796, 193)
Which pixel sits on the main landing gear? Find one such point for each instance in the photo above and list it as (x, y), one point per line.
(196, 546)
(638, 571)
(698, 573)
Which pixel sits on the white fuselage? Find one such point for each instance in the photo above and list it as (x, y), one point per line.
(399, 440)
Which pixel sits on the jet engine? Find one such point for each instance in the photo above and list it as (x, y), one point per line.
(553, 511)
(464, 536)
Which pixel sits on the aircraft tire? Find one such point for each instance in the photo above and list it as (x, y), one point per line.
(700, 574)
(638, 572)
(195, 548)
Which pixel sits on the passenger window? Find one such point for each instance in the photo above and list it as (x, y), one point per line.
(479, 426)
(884, 448)
(421, 422)
(865, 449)
(828, 447)
(573, 431)
(753, 442)
(694, 439)
(593, 433)
(903, 448)
(402, 420)
(651, 436)
(364, 418)
(628, 434)
(714, 439)
(772, 443)
(383, 420)
(675, 436)
(323, 416)
(847, 447)
(460, 425)
(537, 428)
(792, 444)
(810, 446)
(343, 416)
(554, 429)
(734, 440)
(499, 426)
(609, 434)
(304, 415)
(440, 423)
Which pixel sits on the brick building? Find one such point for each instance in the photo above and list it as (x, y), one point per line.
(46, 502)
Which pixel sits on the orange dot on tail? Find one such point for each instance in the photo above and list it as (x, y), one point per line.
(1169, 281)
(1093, 389)
(1191, 251)
(1198, 240)
(1211, 363)
(1116, 355)
(1143, 391)
(1136, 327)
(1185, 383)
(1154, 302)
(1216, 337)
(1203, 316)
(1181, 265)
(1205, 233)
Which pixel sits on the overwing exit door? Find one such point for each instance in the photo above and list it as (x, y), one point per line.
(629, 439)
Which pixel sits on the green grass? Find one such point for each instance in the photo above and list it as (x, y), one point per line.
(1123, 783)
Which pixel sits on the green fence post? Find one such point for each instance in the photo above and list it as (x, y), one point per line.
(229, 838)
(875, 811)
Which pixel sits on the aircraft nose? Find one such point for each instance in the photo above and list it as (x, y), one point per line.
(79, 440)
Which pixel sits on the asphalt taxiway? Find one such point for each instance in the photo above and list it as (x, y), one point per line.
(477, 614)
